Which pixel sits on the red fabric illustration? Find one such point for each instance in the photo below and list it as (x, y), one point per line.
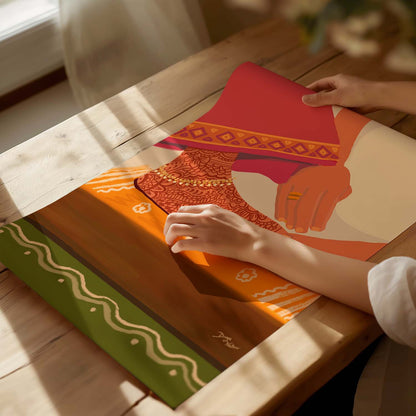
(200, 176)
(261, 125)
(259, 100)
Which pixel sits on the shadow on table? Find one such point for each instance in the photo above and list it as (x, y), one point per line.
(8, 208)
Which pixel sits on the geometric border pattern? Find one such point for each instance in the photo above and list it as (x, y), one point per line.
(213, 134)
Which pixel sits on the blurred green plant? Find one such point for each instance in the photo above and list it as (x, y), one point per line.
(354, 26)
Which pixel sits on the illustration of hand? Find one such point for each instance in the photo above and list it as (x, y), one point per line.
(309, 197)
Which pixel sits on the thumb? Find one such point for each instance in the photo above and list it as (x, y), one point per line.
(321, 98)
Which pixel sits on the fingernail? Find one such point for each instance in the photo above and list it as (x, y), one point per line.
(306, 99)
(280, 219)
(289, 226)
(299, 230)
(316, 228)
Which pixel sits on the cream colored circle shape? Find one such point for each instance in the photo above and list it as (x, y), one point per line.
(382, 164)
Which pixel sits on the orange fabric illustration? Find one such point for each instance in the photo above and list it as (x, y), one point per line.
(275, 296)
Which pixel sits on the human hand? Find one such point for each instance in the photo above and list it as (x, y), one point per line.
(309, 197)
(343, 90)
(213, 230)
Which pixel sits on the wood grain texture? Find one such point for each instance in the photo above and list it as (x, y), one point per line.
(87, 144)
(61, 371)
(47, 367)
(282, 371)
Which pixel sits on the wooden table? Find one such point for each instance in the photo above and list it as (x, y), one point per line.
(48, 367)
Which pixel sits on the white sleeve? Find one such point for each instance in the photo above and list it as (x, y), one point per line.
(392, 290)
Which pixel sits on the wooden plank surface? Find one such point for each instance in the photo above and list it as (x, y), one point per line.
(48, 367)
(88, 143)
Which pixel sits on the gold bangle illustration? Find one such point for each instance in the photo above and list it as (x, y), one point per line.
(294, 195)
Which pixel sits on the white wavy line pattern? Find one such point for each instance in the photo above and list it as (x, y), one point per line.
(138, 329)
(256, 295)
(273, 307)
(117, 171)
(115, 189)
(113, 184)
(118, 178)
(294, 310)
(282, 294)
(126, 172)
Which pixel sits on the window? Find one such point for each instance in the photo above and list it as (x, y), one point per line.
(30, 41)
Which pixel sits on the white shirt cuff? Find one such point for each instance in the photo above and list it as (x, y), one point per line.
(392, 291)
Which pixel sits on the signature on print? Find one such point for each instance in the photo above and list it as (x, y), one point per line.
(227, 341)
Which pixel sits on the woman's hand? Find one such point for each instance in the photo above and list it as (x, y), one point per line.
(217, 231)
(362, 95)
(213, 230)
(309, 197)
(344, 90)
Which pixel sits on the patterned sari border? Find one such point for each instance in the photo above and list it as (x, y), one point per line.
(255, 142)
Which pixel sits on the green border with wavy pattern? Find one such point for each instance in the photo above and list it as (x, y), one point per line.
(151, 353)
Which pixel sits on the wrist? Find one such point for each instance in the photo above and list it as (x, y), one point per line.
(283, 255)
(267, 249)
(378, 94)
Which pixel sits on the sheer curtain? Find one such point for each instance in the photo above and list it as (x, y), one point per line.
(110, 45)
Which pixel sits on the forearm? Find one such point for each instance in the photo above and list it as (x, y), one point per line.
(214, 230)
(337, 277)
(398, 95)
